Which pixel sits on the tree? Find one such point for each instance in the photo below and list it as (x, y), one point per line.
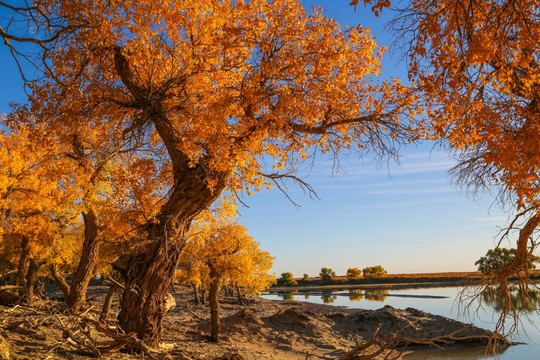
(354, 273)
(220, 87)
(476, 64)
(374, 271)
(326, 274)
(34, 207)
(225, 253)
(496, 258)
(286, 279)
(305, 277)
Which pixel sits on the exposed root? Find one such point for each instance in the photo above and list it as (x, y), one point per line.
(502, 285)
(392, 346)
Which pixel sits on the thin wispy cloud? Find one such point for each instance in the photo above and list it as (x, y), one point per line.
(409, 191)
(389, 205)
(490, 219)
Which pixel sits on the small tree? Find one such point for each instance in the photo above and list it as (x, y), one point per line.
(326, 274)
(374, 271)
(306, 277)
(286, 279)
(354, 273)
(496, 258)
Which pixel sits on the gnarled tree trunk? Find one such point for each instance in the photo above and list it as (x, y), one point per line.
(149, 271)
(147, 275)
(87, 263)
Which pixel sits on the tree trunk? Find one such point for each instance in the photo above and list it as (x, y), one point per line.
(214, 306)
(203, 296)
(239, 295)
(147, 276)
(107, 304)
(196, 293)
(23, 266)
(87, 263)
(60, 281)
(148, 273)
(31, 277)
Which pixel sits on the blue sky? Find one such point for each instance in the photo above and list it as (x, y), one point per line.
(407, 217)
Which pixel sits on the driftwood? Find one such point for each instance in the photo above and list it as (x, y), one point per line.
(79, 336)
(392, 346)
(7, 273)
(82, 335)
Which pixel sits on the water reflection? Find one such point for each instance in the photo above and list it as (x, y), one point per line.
(287, 296)
(521, 299)
(376, 295)
(328, 299)
(356, 297)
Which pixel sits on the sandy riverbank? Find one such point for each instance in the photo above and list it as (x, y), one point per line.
(263, 329)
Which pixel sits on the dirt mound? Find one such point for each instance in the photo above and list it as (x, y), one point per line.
(244, 322)
(416, 324)
(297, 325)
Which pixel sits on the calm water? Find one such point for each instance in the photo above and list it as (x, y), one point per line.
(440, 301)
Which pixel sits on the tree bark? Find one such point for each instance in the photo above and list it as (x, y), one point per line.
(60, 281)
(107, 304)
(196, 293)
(87, 263)
(203, 296)
(147, 275)
(23, 266)
(31, 277)
(239, 295)
(214, 306)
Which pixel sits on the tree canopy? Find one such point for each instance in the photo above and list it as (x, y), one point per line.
(476, 64)
(216, 95)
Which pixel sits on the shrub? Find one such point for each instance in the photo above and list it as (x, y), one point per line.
(374, 271)
(326, 274)
(354, 273)
(286, 279)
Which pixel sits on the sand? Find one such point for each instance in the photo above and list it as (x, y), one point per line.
(262, 329)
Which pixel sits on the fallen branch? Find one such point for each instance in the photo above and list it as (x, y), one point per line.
(393, 345)
(7, 273)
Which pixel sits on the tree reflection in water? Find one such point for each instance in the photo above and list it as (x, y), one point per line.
(288, 296)
(356, 297)
(328, 299)
(376, 295)
(521, 299)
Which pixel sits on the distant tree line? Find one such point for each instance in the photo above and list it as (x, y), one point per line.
(326, 275)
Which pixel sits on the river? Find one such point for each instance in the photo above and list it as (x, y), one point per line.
(440, 301)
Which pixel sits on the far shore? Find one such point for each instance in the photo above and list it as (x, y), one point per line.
(393, 281)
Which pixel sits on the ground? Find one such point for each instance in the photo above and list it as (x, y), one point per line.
(262, 329)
